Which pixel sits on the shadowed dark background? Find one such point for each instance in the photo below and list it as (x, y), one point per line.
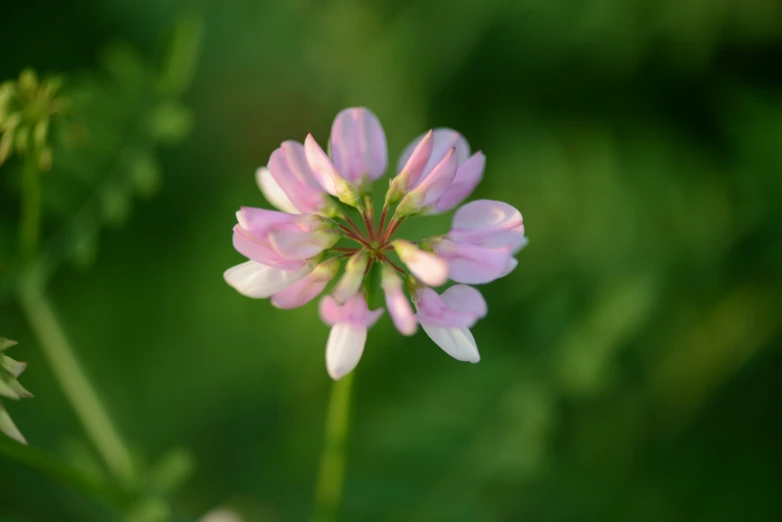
(629, 365)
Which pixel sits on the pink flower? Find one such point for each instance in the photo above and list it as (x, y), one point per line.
(447, 319)
(349, 324)
(295, 254)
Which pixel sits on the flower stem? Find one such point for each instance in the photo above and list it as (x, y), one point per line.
(30, 220)
(369, 218)
(331, 476)
(382, 221)
(354, 236)
(66, 369)
(352, 225)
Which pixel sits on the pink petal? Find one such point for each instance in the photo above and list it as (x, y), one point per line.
(293, 243)
(472, 264)
(433, 309)
(330, 310)
(289, 168)
(273, 192)
(398, 305)
(468, 175)
(358, 313)
(429, 268)
(308, 288)
(490, 224)
(355, 311)
(463, 298)
(260, 251)
(322, 168)
(358, 145)
(443, 140)
(258, 221)
(510, 267)
(431, 188)
(410, 174)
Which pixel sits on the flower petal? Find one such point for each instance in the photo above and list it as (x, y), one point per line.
(260, 281)
(292, 243)
(468, 175)
(358, 145)
(431, 187)
(357, 312)
(322, 168)
(463, 298)
(344, 348)
(307, 288)
(351, 280)
(434, 310)
(472, 264)
(273, 192)
(487, 223)
(456, 342)
(510, 267)
(398, 304)
(429, 268)
(443, 140)
(412, 171)
(255, 249)
(289, 168)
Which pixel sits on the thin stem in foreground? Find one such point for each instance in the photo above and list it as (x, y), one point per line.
(331, 475)
(74, 382)
(30, 220)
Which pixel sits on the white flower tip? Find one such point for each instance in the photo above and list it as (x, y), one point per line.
(344, 348)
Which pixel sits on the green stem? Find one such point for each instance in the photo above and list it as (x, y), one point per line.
(331, 476)
(66, 369)
(30, 220)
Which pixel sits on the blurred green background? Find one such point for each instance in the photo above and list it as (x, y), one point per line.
(630, 365)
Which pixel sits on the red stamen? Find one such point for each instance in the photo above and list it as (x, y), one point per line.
(396, 267)
(382, 221)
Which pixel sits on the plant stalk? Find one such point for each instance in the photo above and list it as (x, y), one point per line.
(82, 397)
(331, 476)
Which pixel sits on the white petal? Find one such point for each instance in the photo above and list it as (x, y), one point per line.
(273, 192)
(344, 349)
(456, 342)
(260, 281)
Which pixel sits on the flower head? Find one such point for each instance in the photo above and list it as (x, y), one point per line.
(10, 370)
(294, 255)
